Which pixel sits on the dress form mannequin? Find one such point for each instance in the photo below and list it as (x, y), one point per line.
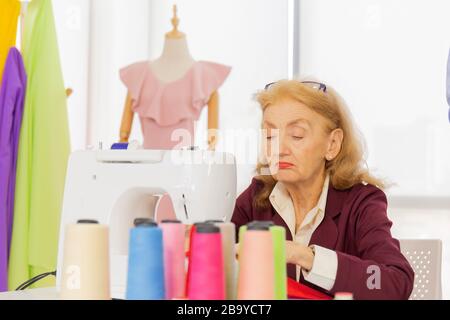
(171, 70)
(173, 63)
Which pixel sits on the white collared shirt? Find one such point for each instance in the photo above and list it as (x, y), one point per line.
(323, 271)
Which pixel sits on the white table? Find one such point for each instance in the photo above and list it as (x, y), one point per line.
(31, 294)
(44, 294)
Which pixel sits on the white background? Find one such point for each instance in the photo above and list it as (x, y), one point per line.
(388, 60)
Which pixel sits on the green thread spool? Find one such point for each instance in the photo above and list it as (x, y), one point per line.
(242, 230)
(279, 252)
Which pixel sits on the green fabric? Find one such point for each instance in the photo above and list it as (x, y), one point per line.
(43, 152)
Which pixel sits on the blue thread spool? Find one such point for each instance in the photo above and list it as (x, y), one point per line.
(145, 262)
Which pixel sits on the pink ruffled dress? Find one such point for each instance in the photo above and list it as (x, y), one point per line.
(167, 111)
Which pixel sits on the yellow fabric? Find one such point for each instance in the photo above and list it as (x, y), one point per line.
(9, 14)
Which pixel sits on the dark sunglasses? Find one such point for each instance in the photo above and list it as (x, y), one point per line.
(316, 85)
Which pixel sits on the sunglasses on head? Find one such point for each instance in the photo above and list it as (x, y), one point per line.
(316, 85)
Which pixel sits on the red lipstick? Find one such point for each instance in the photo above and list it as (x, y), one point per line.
(285, 165)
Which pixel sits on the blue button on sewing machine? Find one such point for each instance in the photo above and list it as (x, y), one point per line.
(119, 146)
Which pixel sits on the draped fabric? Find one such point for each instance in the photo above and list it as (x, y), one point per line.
(43, 152)
(9, 15)
(12, 94)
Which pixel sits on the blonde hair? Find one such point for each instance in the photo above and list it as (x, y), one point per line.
(349, 167)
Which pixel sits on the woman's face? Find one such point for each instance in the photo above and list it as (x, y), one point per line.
(297, 141)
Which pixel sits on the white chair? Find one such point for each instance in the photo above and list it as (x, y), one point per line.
(425, 257)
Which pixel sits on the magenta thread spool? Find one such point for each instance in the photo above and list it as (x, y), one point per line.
(207, 276)
(228, 232)
(174, 258)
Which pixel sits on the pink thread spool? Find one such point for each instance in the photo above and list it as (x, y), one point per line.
(256, 268)
(207, 276)
(174, 258)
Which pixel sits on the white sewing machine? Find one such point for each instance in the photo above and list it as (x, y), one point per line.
(116, 186)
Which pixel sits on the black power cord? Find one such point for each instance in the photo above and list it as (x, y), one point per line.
(33, 280)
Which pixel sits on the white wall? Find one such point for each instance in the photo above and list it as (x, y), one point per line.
(95, 39)
(72, 27)
(388, 60)
(119, 34)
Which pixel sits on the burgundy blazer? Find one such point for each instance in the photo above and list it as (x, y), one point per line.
(356, 226)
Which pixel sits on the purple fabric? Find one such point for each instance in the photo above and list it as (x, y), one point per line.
(12, 95)
(356, 226)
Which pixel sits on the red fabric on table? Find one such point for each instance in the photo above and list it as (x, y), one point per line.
(297, 290)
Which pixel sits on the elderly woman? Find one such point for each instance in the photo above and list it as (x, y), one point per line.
(314, 182)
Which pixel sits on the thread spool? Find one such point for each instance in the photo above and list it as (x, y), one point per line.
(207, 277)
(189, 250)
(174, 258)
(279, 249)
(243, 228)
(256, 264)
(279, 253)
(85, 270)
(145, 262)
(188, 255)
(343, 296)
(228, 232)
